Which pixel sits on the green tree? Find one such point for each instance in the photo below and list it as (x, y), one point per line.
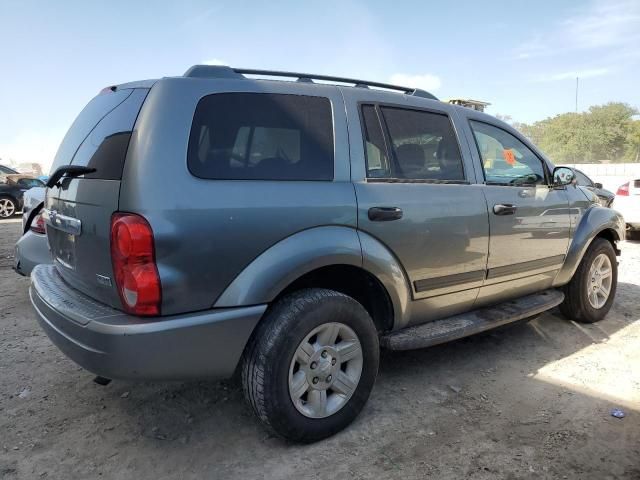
(633, 142)
(604, 132)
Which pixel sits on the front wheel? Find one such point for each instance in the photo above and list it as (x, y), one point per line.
(311, 364)
(590, 293)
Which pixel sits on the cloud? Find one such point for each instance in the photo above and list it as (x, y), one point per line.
(602, 24)
(214, 61)
(426, 81)
(589, 73)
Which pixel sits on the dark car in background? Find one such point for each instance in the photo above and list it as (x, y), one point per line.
(604, 196)
(4, 170)
(11, 195)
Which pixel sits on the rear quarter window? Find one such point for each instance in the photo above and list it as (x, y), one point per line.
(262, 136)
(99, 137)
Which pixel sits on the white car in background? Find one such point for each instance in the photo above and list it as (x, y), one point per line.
(32, 249)
(627, 202)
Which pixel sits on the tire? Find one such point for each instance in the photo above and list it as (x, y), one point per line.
(8, 207)
(578, 304)
(632, 234)
(270, 364)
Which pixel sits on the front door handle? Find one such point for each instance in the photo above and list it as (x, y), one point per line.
(504, 209)
(384, 214)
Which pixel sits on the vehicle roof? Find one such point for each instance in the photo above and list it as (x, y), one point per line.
(220, 71)
(376, 89)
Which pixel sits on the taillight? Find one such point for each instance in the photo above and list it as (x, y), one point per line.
(134, 265)
(37, 225)
(623, 190)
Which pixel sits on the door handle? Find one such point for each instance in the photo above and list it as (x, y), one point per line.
(384, 214)
(504, 209)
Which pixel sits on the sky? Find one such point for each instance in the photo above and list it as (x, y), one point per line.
(521, 56)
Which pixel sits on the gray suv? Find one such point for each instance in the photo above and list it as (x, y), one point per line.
(217, 222)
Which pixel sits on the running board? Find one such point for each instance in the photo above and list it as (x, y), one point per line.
(470, 323)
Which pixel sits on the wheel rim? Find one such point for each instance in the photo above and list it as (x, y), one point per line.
(7, 208)
(599, 281)
(325, 370)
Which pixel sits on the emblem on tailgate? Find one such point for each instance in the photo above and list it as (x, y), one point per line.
(103, 280)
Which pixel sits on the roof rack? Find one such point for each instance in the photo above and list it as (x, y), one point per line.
(220, 71)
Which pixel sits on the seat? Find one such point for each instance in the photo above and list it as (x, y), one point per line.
(411, 160)
(448, 156)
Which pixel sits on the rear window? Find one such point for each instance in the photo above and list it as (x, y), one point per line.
(99, 137)
(262, 136)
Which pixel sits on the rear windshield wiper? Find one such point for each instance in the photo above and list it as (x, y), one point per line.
(67, 171)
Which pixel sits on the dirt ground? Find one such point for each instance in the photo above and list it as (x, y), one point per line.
(530, 401)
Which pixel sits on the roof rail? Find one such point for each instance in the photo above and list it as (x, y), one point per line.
(219, 71)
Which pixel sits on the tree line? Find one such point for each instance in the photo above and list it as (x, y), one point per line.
(604, 133)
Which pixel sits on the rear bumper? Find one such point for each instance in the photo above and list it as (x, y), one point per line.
(112, 344)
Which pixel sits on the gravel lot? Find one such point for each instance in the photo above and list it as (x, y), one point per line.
(529, 401)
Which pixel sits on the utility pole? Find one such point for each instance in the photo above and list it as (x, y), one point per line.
(576, 94)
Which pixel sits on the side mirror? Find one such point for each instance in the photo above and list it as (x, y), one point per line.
(597, 185)
(563, 176)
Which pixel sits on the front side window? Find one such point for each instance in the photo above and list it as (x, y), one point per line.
(262, 136)
(505, 159)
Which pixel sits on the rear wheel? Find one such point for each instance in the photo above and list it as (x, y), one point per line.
(8, 207)
(311, 364)
(590, 293)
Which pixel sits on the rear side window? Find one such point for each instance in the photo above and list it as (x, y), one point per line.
(424, 145)
(99, 137)
(30, 182)
(262, 136)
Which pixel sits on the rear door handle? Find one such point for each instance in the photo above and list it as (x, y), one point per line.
(504, 209)
(384, 214)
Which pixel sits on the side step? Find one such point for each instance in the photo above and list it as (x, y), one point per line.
(476, 321)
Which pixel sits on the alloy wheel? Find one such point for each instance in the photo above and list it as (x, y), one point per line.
(325, 370)
(7, 208)
(599, 281)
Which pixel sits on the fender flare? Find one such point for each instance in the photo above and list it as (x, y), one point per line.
(281, 264)
(595, 220)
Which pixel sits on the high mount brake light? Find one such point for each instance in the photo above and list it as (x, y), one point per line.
(134, 266)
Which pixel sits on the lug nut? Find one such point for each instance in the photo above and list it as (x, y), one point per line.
(333, 361)
(313, 365)
(315, 380)
(328, 378)
(324, 354)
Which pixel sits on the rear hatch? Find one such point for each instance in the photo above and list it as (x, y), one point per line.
(78, 210)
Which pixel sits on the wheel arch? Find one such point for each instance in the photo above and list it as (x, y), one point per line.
(597, 222)
(338, 258)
